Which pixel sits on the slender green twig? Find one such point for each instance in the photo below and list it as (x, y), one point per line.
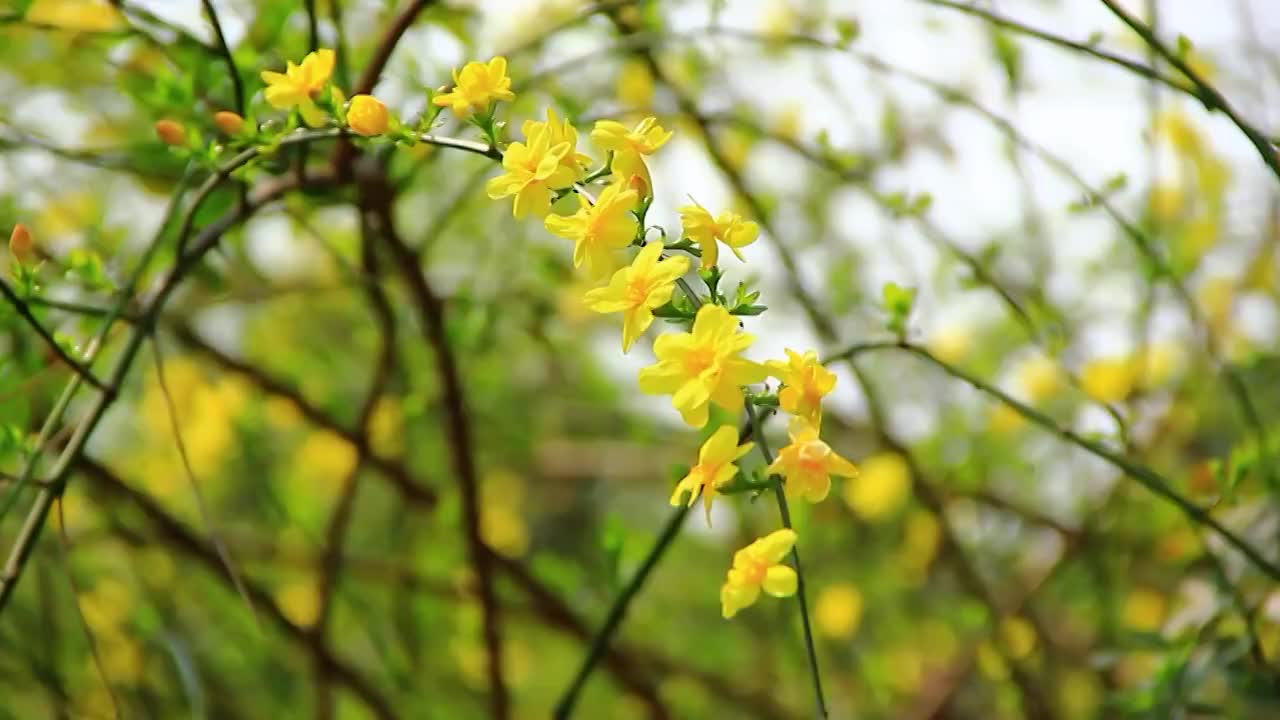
(224, 49)
(785, 513)
(25, 312)
(618, 611)
(1145, 476)
(1207, 93)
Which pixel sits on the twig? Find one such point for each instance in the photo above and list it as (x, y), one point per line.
(65, 545)
(24, 311)
(225, 50)
(1209, 95)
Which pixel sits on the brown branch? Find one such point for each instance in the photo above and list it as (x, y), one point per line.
(375, 199)
(179, 537)
(394, 471)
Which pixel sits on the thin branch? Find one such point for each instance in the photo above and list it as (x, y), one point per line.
(225, 50)
(64, 545)
(376, 197)
(24, 311)
(1208, 94)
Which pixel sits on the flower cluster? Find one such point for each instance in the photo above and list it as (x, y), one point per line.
(701, 365)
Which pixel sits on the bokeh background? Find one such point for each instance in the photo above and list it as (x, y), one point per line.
(979, 567)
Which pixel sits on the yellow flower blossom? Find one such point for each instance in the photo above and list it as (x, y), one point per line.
(635, 290)
(808, 463)
(702, 366)
(635, 85)
(715, 468)
(837, 610)
(533, 170)
(1039, 377)
(759, 566)
(367, 116)
(300, 85)
(476, 86)
(597, 230)
(1108, 380)
(561, 131)
(630, 146)
(882, 487)
(729, 228)
(805, 382)
(78, 15)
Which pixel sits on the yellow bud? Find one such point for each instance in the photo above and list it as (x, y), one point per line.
(367, 115)
(638, 184)
(171, 132)
(20, 245)
(228, 122)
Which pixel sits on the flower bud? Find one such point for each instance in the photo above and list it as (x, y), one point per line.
(171, 132)
(228, 122)
(20, 245)
(638, 184)
(367, 115)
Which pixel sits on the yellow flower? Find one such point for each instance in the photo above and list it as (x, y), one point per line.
(635, 85)
(882, 487)
(838, 610)
(228, 122)
(1040, 377)
(171, 132)
(806, 381)
(597, 230)
(635, 290)
(759, 566)
(808, 463)
(367, 116)
(1108, 380)
(300, 85)
(630, 146)
(715, 468)
(703, 366)
(729, 228)
(478, 85)
(81, 15)
(533, 170)
(561, 131)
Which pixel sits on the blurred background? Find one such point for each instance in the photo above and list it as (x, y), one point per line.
(1091, 241)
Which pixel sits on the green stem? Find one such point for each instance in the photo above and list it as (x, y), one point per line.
(785, 513)
(600, 643)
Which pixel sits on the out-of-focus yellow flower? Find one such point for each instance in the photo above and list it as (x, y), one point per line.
(367, 116)
(630, 146)
(299, 85)
(533, 171)
(299, 601)
(1217, 296)
(504, 530)
(1157, 364)
(635, 85)
(86, 15)
(476, 86)
(806, 382)
(1040, 377)
(386, 426)
(920, 542)
(1109, 379)
(991, 663)
(20, 245)
(701, 367)
(598, 230)
(106, 607)
(757, 567)
(560, 131)
(171, 132)
(1079, 693)
(905, 669)
(838, 610)
(635, 290)
(1144, 610)
(779, 19)
(716, 466)
(1003, 419)
(881, 488)
(808, 463)
(787, 123)
(228, 122)
(1181, 134)
(729, 228)
(1166, 202)
(123, 657)
(1017, 637)
(952, 344)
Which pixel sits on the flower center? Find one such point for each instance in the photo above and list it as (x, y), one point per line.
(699, 359)
(638, 291)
